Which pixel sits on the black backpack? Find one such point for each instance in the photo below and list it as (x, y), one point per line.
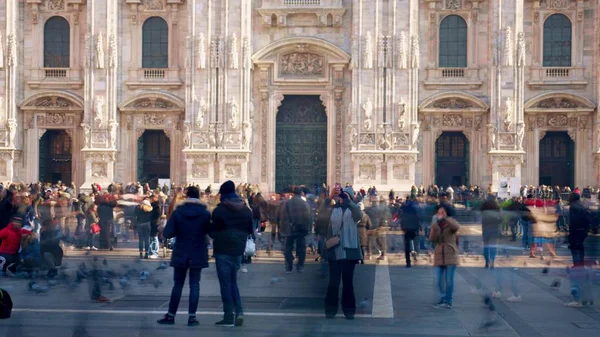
(6, 304)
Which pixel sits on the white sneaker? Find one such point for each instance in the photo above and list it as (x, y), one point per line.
(496, 294)
(514, 299)
(153, 256)
(574, 304)
(93, 248)
(244, 269)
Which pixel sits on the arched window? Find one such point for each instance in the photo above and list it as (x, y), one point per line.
(57, 43)
(155, 43)
(557, 41)
(453, 42)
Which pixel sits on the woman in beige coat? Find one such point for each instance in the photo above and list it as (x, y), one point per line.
(444, 236)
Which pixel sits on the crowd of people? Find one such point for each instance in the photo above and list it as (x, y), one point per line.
(37, 220)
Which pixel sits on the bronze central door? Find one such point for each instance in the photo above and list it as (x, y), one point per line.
(154, 157)
(301, 142)
(56, 157)
(452, 159)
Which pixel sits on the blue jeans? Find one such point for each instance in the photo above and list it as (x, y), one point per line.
(179, 280)
(143, 230)
(227, 268)
(527, 234)
(490, 248)
(446, 284)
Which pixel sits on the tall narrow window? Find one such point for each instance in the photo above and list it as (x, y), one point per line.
(453, 42)
(155, 43)
(557, 41)
(57, 43)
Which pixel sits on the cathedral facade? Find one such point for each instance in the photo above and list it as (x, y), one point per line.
(391, 93)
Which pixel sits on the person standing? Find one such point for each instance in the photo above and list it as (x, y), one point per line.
(344, 256)
(580, 219)
(295, 226)
(491, 220)
(444, 235)
(410, 224)
(91, 218)
(189, 223)
(143, 215)
(230, 228)
(154, 221)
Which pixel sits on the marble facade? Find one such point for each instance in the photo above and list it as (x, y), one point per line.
(374, 64)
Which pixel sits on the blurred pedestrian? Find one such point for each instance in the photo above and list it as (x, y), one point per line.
(444, 233)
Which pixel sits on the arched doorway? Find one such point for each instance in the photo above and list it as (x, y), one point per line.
(56, 157)
(557, 159)
(153, 157)
(301, 142)
(452, 159)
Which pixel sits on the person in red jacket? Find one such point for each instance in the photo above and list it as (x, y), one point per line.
(11, 242)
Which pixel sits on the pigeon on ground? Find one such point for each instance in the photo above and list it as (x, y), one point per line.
(275, 279)
(52, 283)
(555, 283)
(124, 282)
(38, 289)
(363, 306)
(163, 266)
(144, 275)
(157, 283)
(105, 262)
(545, 270)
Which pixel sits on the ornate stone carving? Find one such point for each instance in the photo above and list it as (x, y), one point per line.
(154, 119)
(54, 119)
(234, 56)
(355, 56)
(301, 64)
(200, 170)
(247, 137)
(233, 139)
(12, 50)
(87, 135)
(506, 171)
(368, 52)
(201, 61)
(572, 134)
(452, 103)
(508, 113)
(2, 168)
(366, 172)
(220, 53)
(233, 171)
(55, 5)
(385, 139)
(3, 139)
(381, 62)
(402, 61)
(520, 135)
(246, 53)
(508, 47)
(401, 114)
(507, 140)
(454, 4)
(415, 133)
(573, 122)
(514, 159)
(153, 5)
(202, 109)
(187, 136)
(556, 120)
(401, 139)
(99, 109)
(212, 136)
(234, 114)
(414, 48)
(452, 120)
(492, 137)
(540, 121)
(367, 139)
(52, 102)
(12, 132)
(353, 137)
(112, 51)
(100, 137)
(558, 103)
(521, 49)
(583, 121)
(99, 170)
(113, 130)
(99, 51)
(556, 4)
(152, 103)
(199, 139)
(87, 51)
(368, 111)
(400, 172)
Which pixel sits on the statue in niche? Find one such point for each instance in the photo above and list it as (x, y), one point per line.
(201, 113)
(251, 110)
(212, 137)
(113, 134)
(416, 128)
(187, 135)
(247, 134)
(100, 52)
(401, 114)
(86, 55)
(368, 109)
(234, 114)
(353, 138)
(87, 134)
(99, 109)
(492, 136)
(12, 133)
(520, 135)
(508, 114)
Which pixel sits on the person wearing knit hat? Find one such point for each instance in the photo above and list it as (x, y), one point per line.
(230, 228)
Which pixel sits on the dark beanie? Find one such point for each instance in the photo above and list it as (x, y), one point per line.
(228, 187)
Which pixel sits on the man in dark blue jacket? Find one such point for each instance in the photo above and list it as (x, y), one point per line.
(580, 219)
(189, 223)
(231, 225)
(410, 225)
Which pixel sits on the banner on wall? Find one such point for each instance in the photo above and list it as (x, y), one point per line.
(503, 188)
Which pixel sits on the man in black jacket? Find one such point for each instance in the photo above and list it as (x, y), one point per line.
(580, 219)
(231, 225)
(410, 225)
(189, 223)
(295, 225)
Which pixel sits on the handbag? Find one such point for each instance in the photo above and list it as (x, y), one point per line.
(250, 247)
(95, 228)
(332, 242)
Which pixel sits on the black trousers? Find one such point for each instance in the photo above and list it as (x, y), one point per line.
(341, 271)
(409, 237)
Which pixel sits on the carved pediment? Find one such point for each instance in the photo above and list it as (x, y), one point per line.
(453, 101)
(301, 64)
(52, 102)
(151, 103)
(558, 103)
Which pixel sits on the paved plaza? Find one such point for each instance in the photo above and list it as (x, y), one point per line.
(392, 300)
